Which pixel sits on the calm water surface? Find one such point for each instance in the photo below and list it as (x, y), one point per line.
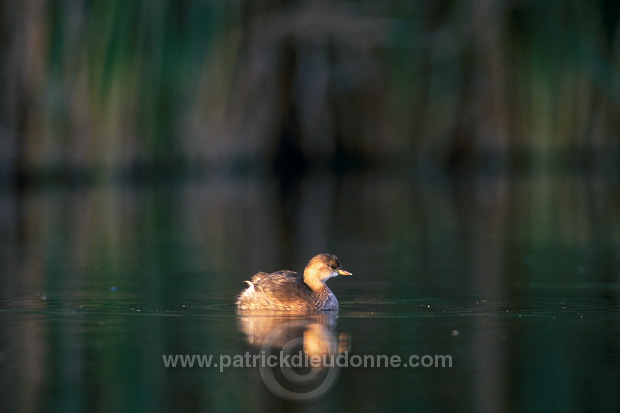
(518, 281)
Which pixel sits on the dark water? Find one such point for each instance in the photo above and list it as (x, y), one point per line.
(517, 280)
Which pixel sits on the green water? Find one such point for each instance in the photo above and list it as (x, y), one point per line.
(517, 280)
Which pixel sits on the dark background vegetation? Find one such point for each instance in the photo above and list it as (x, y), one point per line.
(102, 90)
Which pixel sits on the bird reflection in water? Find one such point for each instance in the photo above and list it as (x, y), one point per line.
(297, 351)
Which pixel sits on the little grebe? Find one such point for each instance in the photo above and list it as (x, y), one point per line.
(288, 290)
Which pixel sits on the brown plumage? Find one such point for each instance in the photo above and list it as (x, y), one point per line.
(289, 290)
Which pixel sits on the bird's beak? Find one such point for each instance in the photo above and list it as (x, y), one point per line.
(343, 272)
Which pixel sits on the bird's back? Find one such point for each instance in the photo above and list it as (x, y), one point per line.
(281, 290)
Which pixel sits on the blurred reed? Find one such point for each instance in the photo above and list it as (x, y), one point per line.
(103, 89)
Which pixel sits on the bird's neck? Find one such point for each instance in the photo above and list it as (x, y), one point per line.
(315, 284)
